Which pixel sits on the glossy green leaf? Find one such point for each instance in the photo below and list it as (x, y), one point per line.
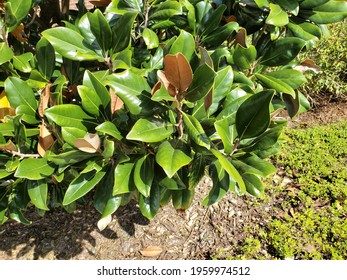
(244, 57)
(19, 9)
(309, 4)
(16, 214)
(27, 114)
(277, 16)
(292, 104)
(81, 185)
(253, 185)
(6, 53)
(253, 116)
(149, 206)
(221, 88)
(150, 130)
(101, 29)
(217, 37)
(277, 84)
(19, 93)
(70, 157)
(123, 6)
(133, 90)
(184, 44)
(22, 62)
(151, 38)
(70, 134)
(182, 199)
(199, 163)
(70, 115)
(225, 132)
(282, 51)
(195, 131)
(214, 20)
(165, 10)
(330, 12)
(291, 77)
(229, 168)
(91, 102)
(121, 32)
(90, 80)
(34, 169)
(144, 174)
(203, 80)
(171, 159)
(262, 3)
(109, 128)
(38, 191)
(306, 32)
(250, 163)
(289, 6)
(104, 201)
(70, 44)
(221, 184)
(45, 56)
(122, 178)
(190, 15)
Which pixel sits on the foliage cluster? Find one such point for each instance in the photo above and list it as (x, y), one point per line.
(330, 55)
(138, 99)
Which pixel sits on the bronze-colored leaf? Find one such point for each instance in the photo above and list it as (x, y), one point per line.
(307, 65)
(151, 251)
(171, 89)
(241, 38)
(46, 140)
(89, 143)
(45, 97)
(19, 33)
(208, 100)
(178, 71)
(9, 146)
(116, 102)
(100, 3)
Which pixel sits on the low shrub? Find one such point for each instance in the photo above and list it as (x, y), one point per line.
(138, 99)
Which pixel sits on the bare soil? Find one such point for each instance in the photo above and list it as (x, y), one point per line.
(199, 233)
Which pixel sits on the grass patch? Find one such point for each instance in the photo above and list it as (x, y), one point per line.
(308, 200)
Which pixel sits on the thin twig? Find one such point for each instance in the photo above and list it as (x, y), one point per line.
(21, 155)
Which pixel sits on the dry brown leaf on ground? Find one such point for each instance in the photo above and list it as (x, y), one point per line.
(151, 251)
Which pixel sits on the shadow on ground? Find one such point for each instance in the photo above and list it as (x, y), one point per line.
(60, 235)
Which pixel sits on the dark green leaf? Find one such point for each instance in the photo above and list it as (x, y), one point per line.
(34, 169)
(150, 205)
(19, 9)
(217, 37)
(144, 174)
(70, 157)
(70, 115)
(171, 159)
(121, 32)
(253, 116)
(81, 185)
(253, 184)
(150, 130)
(292, 104)
(70, 134)
(45, 56)
(101, 29)
(291, 77)
(229, 168)
(277, 84)
(225, 132)
(6, 53)
(38, 191)
(122, 178)
(22, 62)
(134, 91)
(309, 4)
(19, 93)
(70, 44)
(282, 51)
(250, 163)
(195, 131)
(202, 83)
(110, 129)
(182, 199)
(91, 102)
(244, 57)
(184, 44)
(122, 6)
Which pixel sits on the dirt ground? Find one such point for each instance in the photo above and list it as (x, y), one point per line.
(199, 233)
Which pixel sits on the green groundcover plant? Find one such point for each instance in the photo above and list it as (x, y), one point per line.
(140, 99)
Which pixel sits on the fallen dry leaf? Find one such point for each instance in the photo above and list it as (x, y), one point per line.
(116, 102)
(45, 96)
(151, 251)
